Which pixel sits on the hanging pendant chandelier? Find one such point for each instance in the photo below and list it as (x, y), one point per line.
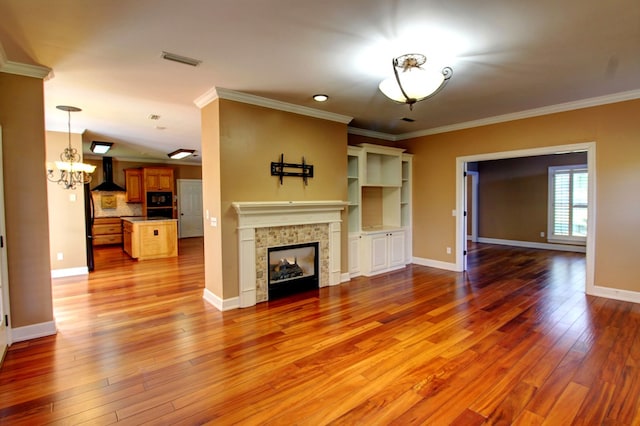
(411, 82)
(72, 171)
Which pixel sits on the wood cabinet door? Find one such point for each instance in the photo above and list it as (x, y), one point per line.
(165, 181)
(133, 182)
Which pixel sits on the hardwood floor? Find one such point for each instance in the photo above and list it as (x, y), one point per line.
(513, 341)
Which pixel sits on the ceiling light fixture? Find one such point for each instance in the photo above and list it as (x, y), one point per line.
(411, 82)
(320, 97)
(181, 153)
(72, 170)
(180, 59)
(98, 147)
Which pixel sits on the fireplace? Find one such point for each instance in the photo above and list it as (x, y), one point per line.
(292, 269)
(265, 225)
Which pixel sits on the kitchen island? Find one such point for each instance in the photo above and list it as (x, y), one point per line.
(150, 237)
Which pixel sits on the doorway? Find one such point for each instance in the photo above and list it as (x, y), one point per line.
(190, 222)
(461, 198)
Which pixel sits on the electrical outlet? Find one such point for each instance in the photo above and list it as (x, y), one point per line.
(448, 250)
(60, 256)
(542, 235)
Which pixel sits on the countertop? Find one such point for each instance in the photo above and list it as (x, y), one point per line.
(139, 219)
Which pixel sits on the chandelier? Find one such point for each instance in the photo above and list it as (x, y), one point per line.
(72, 170)
(411, 82)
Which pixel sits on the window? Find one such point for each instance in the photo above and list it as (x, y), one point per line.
(568, 193)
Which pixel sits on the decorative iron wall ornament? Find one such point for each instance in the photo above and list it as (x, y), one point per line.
(279, 169)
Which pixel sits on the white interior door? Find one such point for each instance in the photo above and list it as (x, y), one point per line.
(5, 339)
(190, 222)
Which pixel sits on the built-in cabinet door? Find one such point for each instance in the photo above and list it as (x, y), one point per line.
(354, 255)
(379, 246)
(396, 248)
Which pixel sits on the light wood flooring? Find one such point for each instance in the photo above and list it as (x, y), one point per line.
(513, 341)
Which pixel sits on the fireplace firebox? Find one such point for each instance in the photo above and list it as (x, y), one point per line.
(292, 269)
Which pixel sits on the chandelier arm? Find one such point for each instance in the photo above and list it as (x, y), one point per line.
(410, 101)
(447, 72)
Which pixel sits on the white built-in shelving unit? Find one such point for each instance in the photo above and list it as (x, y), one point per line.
(379, 188)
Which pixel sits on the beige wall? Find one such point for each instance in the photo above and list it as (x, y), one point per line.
(210, 146)
(513, 196)
(614, 128)
(25, 191)
(66, 211)
(251, 137)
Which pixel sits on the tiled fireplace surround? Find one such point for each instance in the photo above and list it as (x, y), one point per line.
(273, 224)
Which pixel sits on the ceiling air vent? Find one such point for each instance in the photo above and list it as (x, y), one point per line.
(181, 59)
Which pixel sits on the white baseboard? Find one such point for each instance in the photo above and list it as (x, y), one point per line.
(345, 277)
(28, 332)
(69, 272)
(220, 304)
(612, 293)
(447, 266)
(534, 245)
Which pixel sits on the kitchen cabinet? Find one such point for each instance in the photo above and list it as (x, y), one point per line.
(133, 184)
(158, 179)
(382, 252)
(150, 238)
(107, 230)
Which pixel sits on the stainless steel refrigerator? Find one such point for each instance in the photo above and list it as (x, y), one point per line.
(88, 220)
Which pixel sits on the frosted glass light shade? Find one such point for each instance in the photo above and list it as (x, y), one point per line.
(418, 83)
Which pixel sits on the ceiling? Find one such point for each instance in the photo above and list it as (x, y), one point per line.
(508, 56)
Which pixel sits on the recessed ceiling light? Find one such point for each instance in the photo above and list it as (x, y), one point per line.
(98, 147)
(320, 97)
(181, 153)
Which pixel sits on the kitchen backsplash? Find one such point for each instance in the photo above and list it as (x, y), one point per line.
(122, 208)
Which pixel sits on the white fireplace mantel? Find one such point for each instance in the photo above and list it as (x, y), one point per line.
(261, 214)
(270, 214)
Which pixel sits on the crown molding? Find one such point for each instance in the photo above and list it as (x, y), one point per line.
(536, 112)
(27, 70)
(221, 93)
(372, 134)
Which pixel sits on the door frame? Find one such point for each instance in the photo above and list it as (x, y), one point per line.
(461, 198)
(474, 206)
(4, 271)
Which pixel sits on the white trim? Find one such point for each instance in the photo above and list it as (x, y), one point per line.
(218, 303)
(69, 272)
(612, 293)
(474, 205)
(536, 112)
(34, 331)
(589, 147)
(27, 70)
(4, 263)
(372, 134)
(533, 244)
(219, 92)
(447, 266)
(345, 277)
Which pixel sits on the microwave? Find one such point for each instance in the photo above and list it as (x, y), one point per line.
(159, 199)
